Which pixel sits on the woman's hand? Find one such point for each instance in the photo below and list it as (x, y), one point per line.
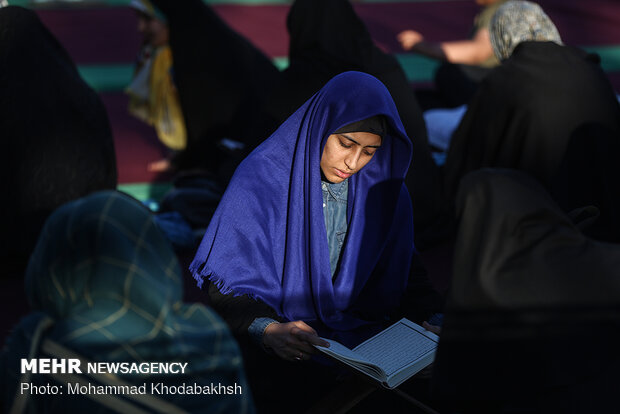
(433, 328)
(159, 166)
(292, 340)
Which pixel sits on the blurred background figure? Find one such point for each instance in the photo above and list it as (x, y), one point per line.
(467, 61)
(205, 85)
(527, 111)
(221, 79)
(153, 94)
(105, 286)
(317, 53)
(56, 138)
(531, 323)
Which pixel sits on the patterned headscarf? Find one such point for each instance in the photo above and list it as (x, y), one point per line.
(520, 21)
(105, 286)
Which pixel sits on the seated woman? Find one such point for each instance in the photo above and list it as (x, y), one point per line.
(529, 108)
(222, 81)
(532, 319)
(314, 235)
(105, 286)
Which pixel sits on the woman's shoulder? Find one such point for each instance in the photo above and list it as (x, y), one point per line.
(260, 174)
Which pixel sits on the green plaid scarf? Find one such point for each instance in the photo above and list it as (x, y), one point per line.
(106, 286)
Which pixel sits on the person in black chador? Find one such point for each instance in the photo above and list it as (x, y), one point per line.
(222, 81)
(245, 98)
(544, 95)
(57, 141)
(531, 322)
(327, 38)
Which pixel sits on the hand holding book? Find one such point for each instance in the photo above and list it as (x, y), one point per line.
(392, 356)
(433, 328)
(293, 341)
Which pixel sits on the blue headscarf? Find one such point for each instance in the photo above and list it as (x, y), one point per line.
(268, 239)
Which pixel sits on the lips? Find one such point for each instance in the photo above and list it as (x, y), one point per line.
(341, 174)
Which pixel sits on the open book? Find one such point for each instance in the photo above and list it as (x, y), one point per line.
(392, 356)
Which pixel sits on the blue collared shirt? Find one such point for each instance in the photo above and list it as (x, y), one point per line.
(335, 213)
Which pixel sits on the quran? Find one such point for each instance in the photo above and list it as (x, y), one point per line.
(390, 357)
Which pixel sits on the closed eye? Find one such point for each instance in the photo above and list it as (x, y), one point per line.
(345, 145)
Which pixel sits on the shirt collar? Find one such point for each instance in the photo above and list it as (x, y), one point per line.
(337, 190)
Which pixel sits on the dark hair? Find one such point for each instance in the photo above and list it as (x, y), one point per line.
(375, 125)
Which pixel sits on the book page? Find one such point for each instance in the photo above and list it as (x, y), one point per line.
(344, 354)
(337, 349)
(397, 346)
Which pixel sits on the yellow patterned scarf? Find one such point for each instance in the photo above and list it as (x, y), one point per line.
(154, 99)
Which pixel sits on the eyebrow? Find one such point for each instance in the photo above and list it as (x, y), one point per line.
(351, 139)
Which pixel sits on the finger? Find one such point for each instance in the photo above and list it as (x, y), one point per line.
(296, 345)
(297, 356)
(301, 355)
(290, 353)
(304, 327)
(306, 333)
(285, 354)
(312, 339)
(432, 328)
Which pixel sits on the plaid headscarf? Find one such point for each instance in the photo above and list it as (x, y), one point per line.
(106, 286)
(520, 21)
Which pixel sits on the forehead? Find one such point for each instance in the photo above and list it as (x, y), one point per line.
(362, 138)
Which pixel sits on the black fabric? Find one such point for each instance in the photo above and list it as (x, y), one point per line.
(56, 138)
(239, 311)
(589, 177)
(222, 80)
(516, 248)
(375, 125)
(195, 197)
(327, 38)
(532, 319)
(421, 299)
(296, 383)
(526, 110)
(456, 84)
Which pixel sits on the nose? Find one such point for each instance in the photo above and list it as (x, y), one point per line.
(352, 159)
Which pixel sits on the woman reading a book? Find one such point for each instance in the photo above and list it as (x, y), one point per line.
(314, 235)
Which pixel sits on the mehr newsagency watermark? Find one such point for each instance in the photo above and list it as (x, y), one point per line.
(77, 384)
